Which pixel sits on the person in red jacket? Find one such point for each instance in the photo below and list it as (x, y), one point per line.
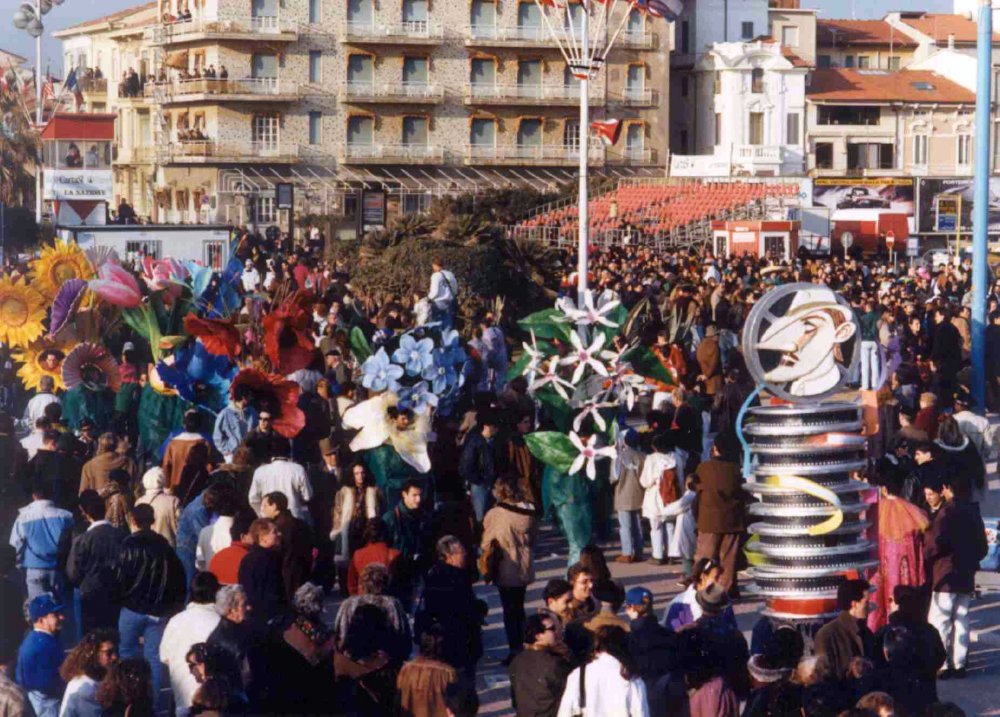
(225, 564)
(376, 550)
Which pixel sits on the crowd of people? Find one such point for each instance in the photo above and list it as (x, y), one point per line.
(231, 570)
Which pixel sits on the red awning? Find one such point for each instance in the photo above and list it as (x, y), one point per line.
(895, 223)
(80, 126)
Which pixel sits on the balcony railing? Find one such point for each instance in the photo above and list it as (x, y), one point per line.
(533, 154)
(267, 28)
(421, 153)
(483, 92)
(521, 35)
(416, 92)
(633, 155)
(637, 98)
(757, 153)
(206, 151)
(248, 87)
(637, 40)
(413, 31)
(93, 85)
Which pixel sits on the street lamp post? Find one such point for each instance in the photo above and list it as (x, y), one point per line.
(580, 36)
(981, 197)
(28, 17)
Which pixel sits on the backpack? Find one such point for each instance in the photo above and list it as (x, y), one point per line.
(669, 491)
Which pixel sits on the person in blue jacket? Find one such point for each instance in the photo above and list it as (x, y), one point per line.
(42, 536)
(40, 656)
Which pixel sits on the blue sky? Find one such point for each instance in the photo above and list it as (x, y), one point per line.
(74, 11)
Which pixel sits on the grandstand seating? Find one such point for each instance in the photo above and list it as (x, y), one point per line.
(659, 209)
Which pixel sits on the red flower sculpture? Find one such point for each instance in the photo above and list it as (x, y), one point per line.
(275, 394)
(287, 340)
(220, 337)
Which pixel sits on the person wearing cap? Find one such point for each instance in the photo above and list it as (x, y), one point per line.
(847, 636)
(652, 646)
(954, 545)
(538, 673)
(41, 655)
(234, 423)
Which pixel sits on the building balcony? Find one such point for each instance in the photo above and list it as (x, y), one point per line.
(632, 156)
(543, 155)
(422, 32)
(248, 29)
(420, 93)
(637, 40)
(212, 152)
(93, 87)
(547, 95)
(392, 154)
(494, 36)
(248, 89)
(637, 98)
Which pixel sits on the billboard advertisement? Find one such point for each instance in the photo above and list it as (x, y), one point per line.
(851, 198)
(936, 193)
(93, 185)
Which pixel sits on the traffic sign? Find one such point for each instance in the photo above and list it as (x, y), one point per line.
(847, 239)
(912, 247)
(890, 238)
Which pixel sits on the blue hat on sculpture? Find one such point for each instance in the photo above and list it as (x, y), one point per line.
(42, 605)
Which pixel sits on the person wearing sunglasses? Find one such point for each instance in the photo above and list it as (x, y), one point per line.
(538, 673)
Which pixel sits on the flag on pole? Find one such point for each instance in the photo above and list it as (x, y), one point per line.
(667, 9)
(72, 85)
(610, 131)
(48, 89)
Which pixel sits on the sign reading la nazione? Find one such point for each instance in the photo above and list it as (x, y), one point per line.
(81, 184)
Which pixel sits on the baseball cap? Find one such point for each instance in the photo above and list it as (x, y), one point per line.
(638, 596)
(129, 346)
(43, 605)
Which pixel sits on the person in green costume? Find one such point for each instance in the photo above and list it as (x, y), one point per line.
(391, 472)
(90, 399)
(570, 500)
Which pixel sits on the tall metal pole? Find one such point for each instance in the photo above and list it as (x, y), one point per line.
(980, 218)
(584, 238)
(38, 116)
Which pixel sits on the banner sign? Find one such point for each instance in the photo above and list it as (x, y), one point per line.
(94, 185)
(843, 195)
(938, 199)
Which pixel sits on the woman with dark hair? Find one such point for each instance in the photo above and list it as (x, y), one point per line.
(609, 680)
(423, 680)
(126, 691)
(83, 669)
(195, 473)
(356, 503)
(592, 558)
(366, 679)
(961, 458)
(260, 574)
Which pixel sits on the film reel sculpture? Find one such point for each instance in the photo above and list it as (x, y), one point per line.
(800, 343)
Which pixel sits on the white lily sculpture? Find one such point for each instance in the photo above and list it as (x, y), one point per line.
(552, 378)
(589, 453)
(535, 359)
(588, 314)
(584, 356)
(592, 408)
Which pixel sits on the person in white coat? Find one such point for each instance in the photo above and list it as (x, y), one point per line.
(187, 628)
(216, 536)
(611, 684)
(284, 475)
(661, 481)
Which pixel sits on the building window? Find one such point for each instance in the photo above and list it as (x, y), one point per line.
(685, 36)
(824, 155)
(266, 213)
(483, 134)
(757, 80)
(360, 13)
(636, 83)
(870, 155)
(790, 36)
(415, 11)
(265, 132)
(483, 18)
(571, 133)
(756, 128)
(792, 122)
(360, 70)
(848, 61)
(146, 247)
(415, 131)
(747, 33)
(529, 134)
(315, 66)
(718, 128)
(920, 143)
(684, 86)
(964, 150)
(635, 141)
(215, 251)
(823, 62)
(864, 62)
(529, 21)
(360, 131)
(315, 128)
(849, 115)
(314, 11)
(894, 62)
(415, 72)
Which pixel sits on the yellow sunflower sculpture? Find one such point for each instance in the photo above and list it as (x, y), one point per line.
(58, 264)
(42, 358)
(22, 311)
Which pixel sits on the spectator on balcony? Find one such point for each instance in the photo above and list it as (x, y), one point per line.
(223, 72)
(73, 158)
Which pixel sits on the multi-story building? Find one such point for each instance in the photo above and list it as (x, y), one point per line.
(876, 123)
(337, 96)
(750, 108)
(863, 45)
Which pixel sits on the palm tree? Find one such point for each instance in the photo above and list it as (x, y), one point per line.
(18, 151)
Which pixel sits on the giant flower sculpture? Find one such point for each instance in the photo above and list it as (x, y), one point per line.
(198, 376)
(288, 340)
(275, 394)
(56, 265)
(22, 310)
(582, 386)
(42, 358)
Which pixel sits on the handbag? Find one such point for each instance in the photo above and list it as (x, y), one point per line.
(668, 486)
(489, 561)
